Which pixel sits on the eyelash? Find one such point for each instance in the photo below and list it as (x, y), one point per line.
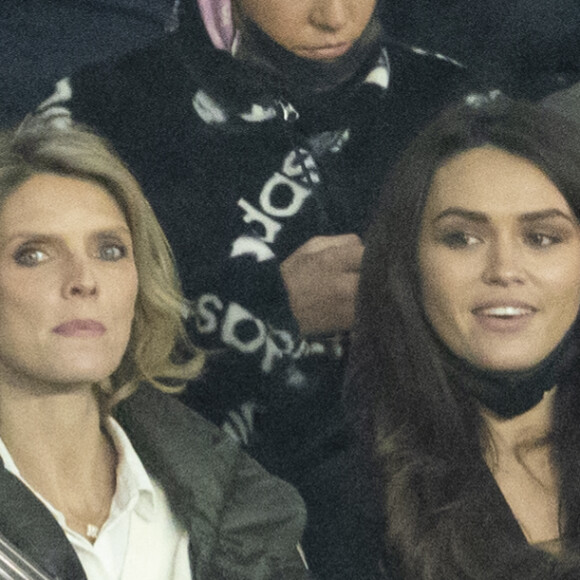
(122, 251)
(460, 239)
(23, 256)
(536, 239)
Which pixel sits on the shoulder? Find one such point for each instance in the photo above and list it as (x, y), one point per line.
(416, 66)
(223, 496)
(149, 67)
(411, 53)
(104, 88)
(422, 82)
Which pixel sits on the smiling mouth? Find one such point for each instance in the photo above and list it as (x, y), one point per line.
(504, 318)
(504, 311)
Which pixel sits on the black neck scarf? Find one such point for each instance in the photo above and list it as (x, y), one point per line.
(511, 393)
(304, 77)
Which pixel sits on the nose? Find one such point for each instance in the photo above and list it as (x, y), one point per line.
(330, 15)
(79, 279)
(504, 264)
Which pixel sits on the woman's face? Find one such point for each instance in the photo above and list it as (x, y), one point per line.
(315, 29)
(68, 283)
(499, 255)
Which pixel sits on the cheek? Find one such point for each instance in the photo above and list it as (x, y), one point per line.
(276, 17)
(565, 295)
(436, 279)
(442, 293)
(362, 12)
(21, 303)
(120, 297)
(560, 280)
(129, 301)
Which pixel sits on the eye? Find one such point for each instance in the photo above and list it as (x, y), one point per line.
(540, 240)
(29, 256)
(459, 239)
(112, 252)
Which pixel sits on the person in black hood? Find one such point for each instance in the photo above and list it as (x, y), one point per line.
(260, 131)
(464, 368)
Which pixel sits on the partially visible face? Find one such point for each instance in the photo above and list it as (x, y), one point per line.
(321, 30)
(499, 255)
(68, 283)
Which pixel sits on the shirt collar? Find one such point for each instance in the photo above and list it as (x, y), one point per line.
(134, 486)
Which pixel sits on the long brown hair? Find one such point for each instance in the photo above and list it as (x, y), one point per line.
(445, 517)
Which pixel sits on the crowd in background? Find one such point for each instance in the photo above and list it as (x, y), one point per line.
(526, 43)
(264, 168)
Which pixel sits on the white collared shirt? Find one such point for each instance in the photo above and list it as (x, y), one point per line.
(141, 539)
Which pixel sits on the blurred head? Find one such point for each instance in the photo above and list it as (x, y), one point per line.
(320, 30)
(476, 237)
(88, 291)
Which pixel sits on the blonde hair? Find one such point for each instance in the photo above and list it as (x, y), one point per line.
(159, 350)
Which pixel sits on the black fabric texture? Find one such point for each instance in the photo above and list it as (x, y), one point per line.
(511, 393)
(231, 162)
(242, 522)
(301, 77)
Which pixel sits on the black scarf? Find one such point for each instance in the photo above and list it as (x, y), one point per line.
(304, 77)
(511, 393)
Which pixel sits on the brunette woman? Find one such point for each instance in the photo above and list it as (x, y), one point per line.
(465, 357)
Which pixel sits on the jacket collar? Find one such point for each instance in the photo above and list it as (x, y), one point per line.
(30, 527)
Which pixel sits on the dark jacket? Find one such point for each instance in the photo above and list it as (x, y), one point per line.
(243, 523)
(528, 47)
(241, 173)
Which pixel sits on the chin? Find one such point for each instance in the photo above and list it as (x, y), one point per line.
(505, 357)
(507, 364)
(88, 373)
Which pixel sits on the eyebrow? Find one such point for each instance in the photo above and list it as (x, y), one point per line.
(47, 237)
(480, 217)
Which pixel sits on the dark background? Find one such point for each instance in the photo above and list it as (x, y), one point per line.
(531, 47)
(42, 41)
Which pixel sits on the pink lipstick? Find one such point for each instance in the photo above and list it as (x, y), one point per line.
(80, 328)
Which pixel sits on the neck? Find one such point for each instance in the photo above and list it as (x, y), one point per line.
(512, 437)
(518, 454)
(58, 423)
(57, 444)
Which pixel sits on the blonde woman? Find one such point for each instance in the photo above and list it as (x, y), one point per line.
(105, 476)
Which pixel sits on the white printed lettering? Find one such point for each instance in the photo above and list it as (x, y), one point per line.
(236, 316)
(253, 246)
(297, 162)
(299, 194)
(278, 344)
(206, 313)
(254, 215)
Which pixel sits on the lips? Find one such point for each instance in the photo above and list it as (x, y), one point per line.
(505, 310)
(325, 52)
(80, 328)
(504, 317)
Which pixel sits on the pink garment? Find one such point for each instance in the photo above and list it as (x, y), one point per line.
(217, 17)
